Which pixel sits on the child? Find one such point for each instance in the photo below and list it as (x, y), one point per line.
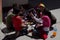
(18, 22)
(44, 28)
(46, 25)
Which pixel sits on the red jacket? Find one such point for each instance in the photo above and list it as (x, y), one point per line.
(17, 21)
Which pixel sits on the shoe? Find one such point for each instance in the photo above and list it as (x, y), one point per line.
(51, 28)
(53, 35)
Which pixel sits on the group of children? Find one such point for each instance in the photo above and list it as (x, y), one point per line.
(18, 20)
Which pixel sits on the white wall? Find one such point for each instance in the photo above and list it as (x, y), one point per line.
(10, 2)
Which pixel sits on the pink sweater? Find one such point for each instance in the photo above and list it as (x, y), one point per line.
(46, 21)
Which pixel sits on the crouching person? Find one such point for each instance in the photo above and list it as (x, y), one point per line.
(46, 25)
(43, 29)
(9, 26)
(18, 24)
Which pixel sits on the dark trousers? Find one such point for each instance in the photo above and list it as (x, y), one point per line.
(13, 36)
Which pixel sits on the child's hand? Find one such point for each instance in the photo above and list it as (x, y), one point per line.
(31, 15)
(38, 25)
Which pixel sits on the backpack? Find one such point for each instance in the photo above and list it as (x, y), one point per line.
(53, 19)
(51, 16)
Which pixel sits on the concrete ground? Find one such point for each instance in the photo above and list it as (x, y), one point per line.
(56, 12)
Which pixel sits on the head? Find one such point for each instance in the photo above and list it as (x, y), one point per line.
(16, 11)
(21, 9)
(22, 16)
(15, 5)
(38, 12)
(41, 6)
(30, 12)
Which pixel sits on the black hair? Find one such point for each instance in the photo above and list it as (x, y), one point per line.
(16, 11)
(20, 6)
(21, 14)
(38, 10)
(14, 5)
(31, 10)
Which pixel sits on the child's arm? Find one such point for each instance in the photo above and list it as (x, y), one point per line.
(39, 20)
(17, 33)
